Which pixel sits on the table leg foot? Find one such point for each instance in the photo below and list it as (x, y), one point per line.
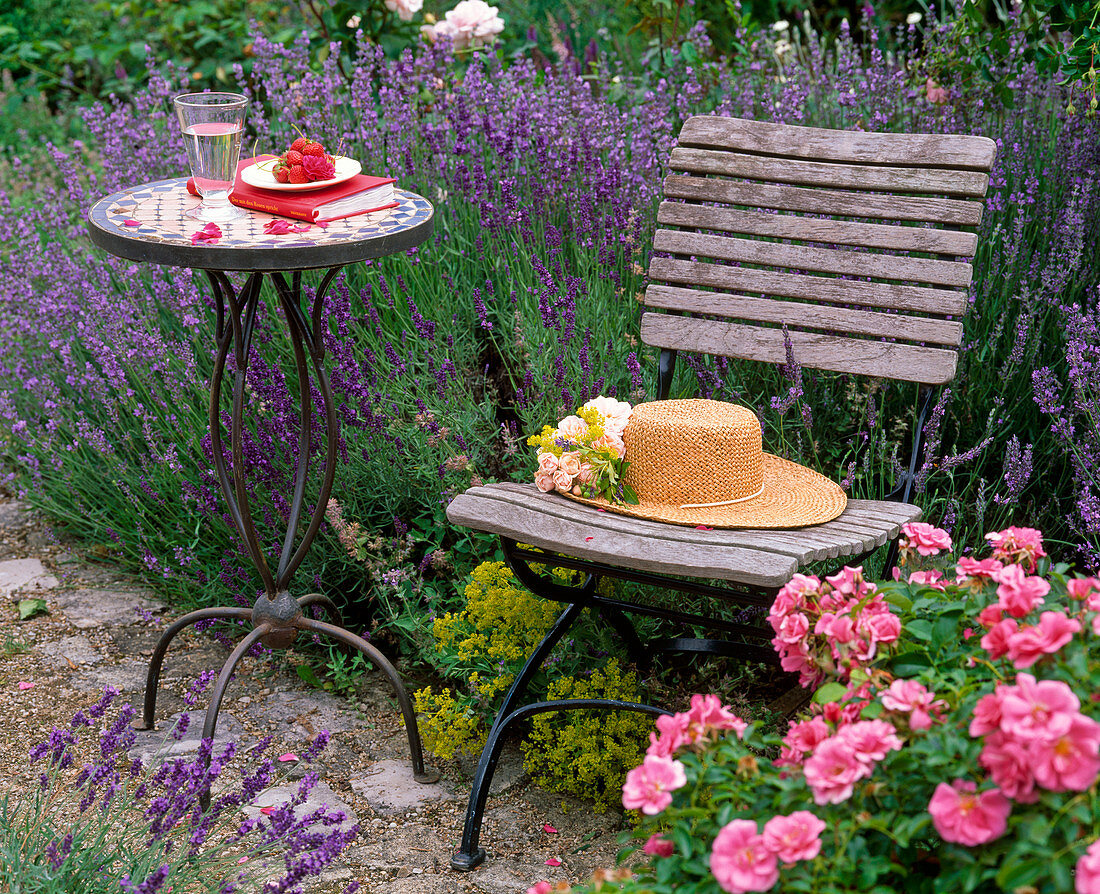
(465, 862)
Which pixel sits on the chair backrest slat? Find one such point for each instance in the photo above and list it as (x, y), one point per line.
(849, 241)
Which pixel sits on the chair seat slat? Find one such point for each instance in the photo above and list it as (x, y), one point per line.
(956, 243)
(938, 150)
(955, 212)
(895, 296)
(798, 315)
(845, 262)
(891, 360)
(934, 181)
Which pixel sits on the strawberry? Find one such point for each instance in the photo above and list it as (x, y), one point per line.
(314, 149)
(297, 175)
(282, 174)
(299, 145)
(293, 157)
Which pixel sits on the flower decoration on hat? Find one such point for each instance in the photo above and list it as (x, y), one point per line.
(585, 454)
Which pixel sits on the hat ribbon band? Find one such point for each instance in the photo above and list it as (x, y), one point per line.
(724, 502)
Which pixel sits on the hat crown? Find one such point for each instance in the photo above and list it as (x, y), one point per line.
(685, 452)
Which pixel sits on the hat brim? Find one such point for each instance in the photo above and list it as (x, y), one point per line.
(793, 497)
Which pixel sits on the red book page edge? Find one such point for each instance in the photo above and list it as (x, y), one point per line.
(357, 213)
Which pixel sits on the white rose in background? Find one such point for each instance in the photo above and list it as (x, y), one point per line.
(405, 9)
(473, 23)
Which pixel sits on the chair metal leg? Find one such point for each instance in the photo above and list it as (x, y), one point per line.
(470, 855)
(157, 659)
(411, 729)
(211, 722)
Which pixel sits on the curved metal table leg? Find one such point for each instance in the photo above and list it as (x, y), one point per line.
(411, 729)
(211, 722)
(470, 855)
(157, 659)
(327, 604)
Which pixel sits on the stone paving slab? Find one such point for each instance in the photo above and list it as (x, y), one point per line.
(21, 578)
(71, 651)
(87, 609)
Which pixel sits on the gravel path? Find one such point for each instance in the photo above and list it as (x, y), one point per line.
(97, 633)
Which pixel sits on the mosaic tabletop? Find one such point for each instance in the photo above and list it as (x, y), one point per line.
(150, 223)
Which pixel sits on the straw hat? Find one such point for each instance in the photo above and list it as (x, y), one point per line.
(700, 462)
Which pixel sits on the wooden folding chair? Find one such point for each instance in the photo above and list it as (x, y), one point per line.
(855, 242)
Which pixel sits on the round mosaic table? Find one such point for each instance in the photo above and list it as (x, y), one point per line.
(149, 223)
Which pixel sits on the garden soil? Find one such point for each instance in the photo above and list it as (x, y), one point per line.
(100, 630)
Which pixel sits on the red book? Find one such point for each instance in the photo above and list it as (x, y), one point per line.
(359, 195)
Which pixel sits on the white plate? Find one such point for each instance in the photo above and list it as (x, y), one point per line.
(254, 175)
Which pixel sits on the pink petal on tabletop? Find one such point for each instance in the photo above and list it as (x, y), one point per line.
(24, 685)
(586, 539)
(549, 830)
(131, 223)
(703, 528)
(277, 227)
(289, 756)
(301, 228)
(211, 233)
(553, 861)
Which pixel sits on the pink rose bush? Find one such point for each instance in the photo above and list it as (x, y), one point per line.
(471, 24)
(584, 454)
(952, 744)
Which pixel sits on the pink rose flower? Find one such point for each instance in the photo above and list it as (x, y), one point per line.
(849, 581)
(927, 540)
(963, 817)
(471, 24)
(1009, 767)
(935, 94)
(793, 628)
(586, 475)
(833, 770)
(545, 483)
(611, 443)
(870, 740)
(405, 9)
(884, 627)
(563, 481)
(972, 569)
(707, 713)
(1017, 593)
(931, 578)
(572, 428)
(671, 735)
(995, 642)
(1087, 589)
(1053, 631)
(658, 846)
(1086, 877)
(649, 786)
(740, 861)
(570, 463)
(987, 714)
(910, 697)
(836, 628)
(991, 615)
(1023, 545)
(1037, 710)
(548, 463)
(616, 413)
(318, 167)
(1070, 762)
(795, 837)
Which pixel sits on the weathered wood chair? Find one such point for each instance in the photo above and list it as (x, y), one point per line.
(855, 242)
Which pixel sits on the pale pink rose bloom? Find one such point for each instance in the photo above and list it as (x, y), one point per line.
(1083, 588)
(995, 642)
(870, 740)
(936, 94)
(911, 697)
(1070, 762)
(795, 837)
(545, 483)
(838, 628)
(848, 581)
(972, 569)
(658, 846)
(405, 9)
(991, 615)
(833, 770)
(926, 539)
(987, 714)
(548, 463)
(572, 427)
(1037, 710)
(671, 736)
(1053, 631)
(1018, 545)
(1017, 593)
(616, 413)
(1009, 766)
(884, 627)
(587, 474)
(806, 734)
(1096, 625)
(964, 817)
(611, 442)
(649, 786)
(931, 578)
(708, 713)
(793, 628)
(570, 463)
(1086, 877)
(740, 861)
(563, 481)
(472, 23)
(798, 661)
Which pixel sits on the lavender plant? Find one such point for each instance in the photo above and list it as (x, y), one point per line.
(102, 821)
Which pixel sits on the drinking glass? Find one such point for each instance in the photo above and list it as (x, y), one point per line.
(212, 124)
